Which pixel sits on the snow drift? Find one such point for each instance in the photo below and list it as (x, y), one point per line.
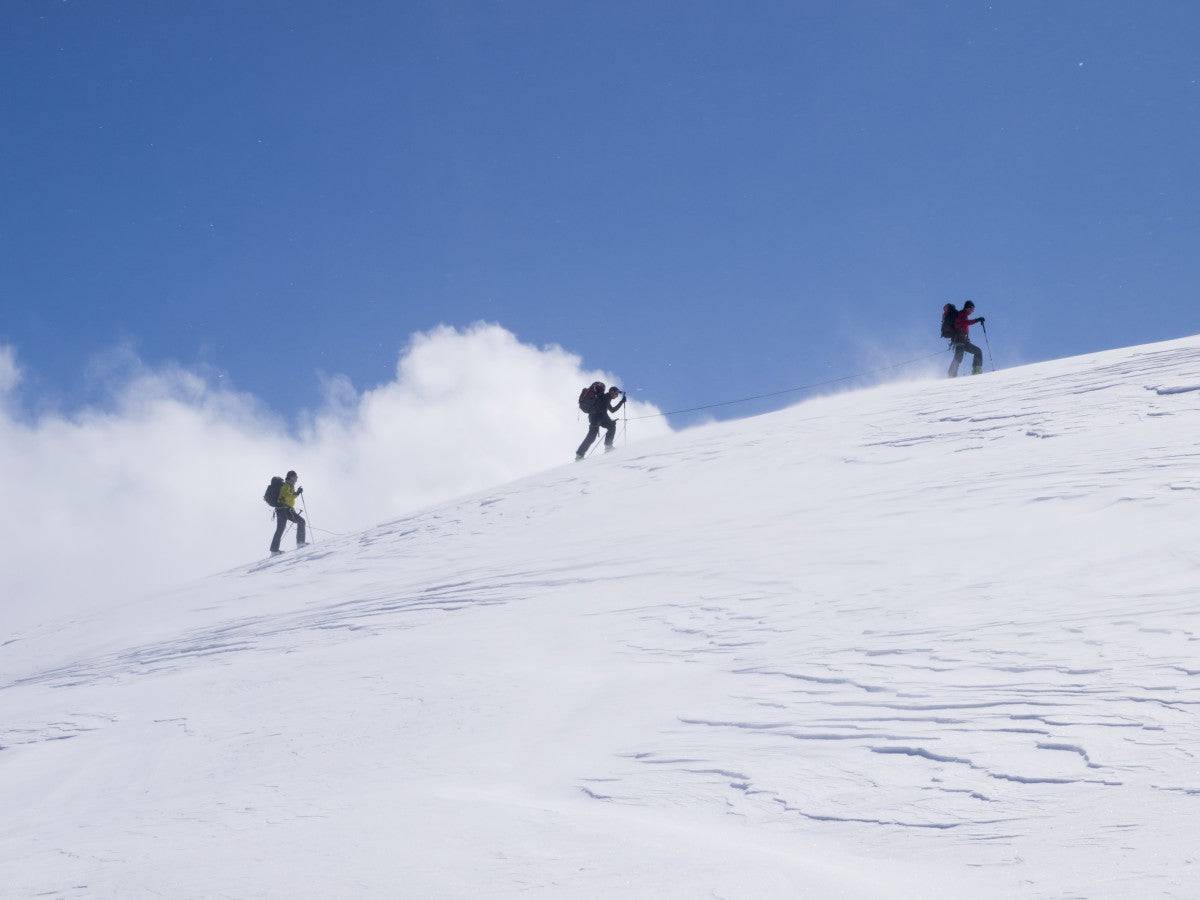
(931, 639)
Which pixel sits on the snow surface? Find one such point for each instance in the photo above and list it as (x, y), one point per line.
(929, 639)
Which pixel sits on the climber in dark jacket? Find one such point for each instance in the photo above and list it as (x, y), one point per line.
(598, 404)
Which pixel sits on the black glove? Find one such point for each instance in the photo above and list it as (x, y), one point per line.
(299, 491)
(982, 320)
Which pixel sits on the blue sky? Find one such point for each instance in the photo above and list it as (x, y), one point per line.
(712, 199)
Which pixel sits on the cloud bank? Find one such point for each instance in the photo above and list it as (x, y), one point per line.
(164, 483)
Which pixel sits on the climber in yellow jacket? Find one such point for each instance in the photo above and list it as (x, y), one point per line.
(285, 511)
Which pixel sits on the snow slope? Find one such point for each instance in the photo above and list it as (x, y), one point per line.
(930, 639)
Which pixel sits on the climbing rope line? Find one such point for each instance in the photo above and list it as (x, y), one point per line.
(327, 531)
(287, 529)
(794, 390)
(626, 419)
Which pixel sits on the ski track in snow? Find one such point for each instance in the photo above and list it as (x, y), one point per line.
(928, 634)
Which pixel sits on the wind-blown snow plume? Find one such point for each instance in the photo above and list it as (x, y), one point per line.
(163, 483)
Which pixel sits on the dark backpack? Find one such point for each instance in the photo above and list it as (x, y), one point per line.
(271, 494)
(949, 322)
(589, 397)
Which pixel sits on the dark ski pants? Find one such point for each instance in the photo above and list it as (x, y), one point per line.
(283, 515)
(961, 347)
(598, 420)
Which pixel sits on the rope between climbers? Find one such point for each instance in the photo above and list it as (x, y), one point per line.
(803, 387)
(327, 531)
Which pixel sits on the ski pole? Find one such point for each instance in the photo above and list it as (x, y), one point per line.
(625, 420)
(988, 342)
(304, 508)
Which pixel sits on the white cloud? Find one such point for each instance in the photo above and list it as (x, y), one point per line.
(10, 372)
(164, 483)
